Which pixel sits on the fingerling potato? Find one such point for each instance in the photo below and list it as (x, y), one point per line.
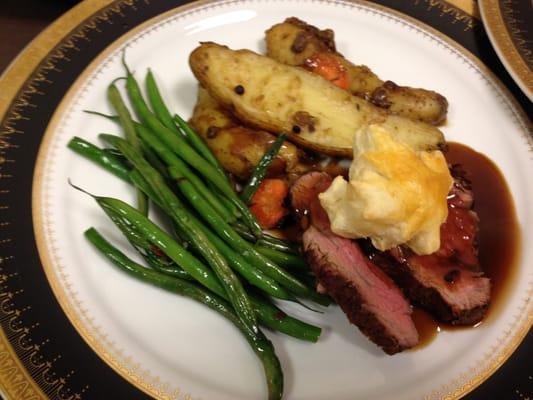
(294, 42)
(238, 148)
(278, 98)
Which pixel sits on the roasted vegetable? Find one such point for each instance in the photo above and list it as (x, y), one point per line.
(261, 168)
(282, 99)
(294, 42)
(267, 202)
(237, 148)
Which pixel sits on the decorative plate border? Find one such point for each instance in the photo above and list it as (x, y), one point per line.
(143, 379)
(506, 48)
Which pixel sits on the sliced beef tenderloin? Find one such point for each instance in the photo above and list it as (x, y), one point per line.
(449, 283)
(450, 291)
(304, 199)
(368, 297)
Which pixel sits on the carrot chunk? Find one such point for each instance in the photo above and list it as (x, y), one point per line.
(328, 66)
(267, 202)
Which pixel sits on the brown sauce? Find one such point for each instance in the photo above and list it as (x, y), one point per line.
(498, 234)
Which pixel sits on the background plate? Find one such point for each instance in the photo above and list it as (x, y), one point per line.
(509, 24)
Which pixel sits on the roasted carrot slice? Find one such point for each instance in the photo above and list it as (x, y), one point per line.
(267, 202)
(328, 66)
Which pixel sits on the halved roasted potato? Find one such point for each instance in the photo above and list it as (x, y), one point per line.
(294, 42)
(278, 98)
(238, 148)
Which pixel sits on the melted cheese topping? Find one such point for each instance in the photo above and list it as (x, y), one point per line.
(395, 195)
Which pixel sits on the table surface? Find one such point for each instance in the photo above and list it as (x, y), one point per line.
(22, 20)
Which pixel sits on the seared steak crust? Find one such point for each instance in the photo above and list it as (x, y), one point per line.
(347, 295)
(465, 304)
(368, 297)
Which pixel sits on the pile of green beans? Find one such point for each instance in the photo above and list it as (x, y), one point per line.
(217, 254)
(260, 344)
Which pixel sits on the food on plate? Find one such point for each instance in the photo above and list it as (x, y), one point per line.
(313, 112)
(450, 282)
(294, 42)
(395, 195)
(162, 157)
(399, 232)
(267, 203)
(367, 296)
(238, 148)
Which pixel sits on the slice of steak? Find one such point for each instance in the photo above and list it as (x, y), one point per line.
(450, 291)
(304, 199)
(367, 296)
(449, 283)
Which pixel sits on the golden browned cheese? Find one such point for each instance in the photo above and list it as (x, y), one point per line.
(278, 98)
(394, 195)
(238, 148)
(293, 42)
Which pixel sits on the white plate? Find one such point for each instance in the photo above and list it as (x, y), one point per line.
(170, 346)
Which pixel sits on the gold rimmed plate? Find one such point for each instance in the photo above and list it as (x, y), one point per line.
(509, 24)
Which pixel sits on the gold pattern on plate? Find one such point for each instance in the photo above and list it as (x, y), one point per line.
(58, 34)
(504, 45)
(24, 374)
(468, 6)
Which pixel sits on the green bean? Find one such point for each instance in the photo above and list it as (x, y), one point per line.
(115, 153)
(231, 283)
(146, 249)
(283, 259)
(276, 319)
(142, 203)
(275, 243)
(139, 181)
(267, 240)
(179, 146)
(124, 116)
(225, 201)
(113, 95)
(172, 160)
(159, 107)
(198, 143)
(107, 161)
(261, 168)
(113, 118)
(153, 159)
(257, 340)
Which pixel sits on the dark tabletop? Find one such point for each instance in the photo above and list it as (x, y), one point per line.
(22, 20)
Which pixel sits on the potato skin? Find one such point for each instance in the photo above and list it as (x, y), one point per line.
(238, 148)
(279, 98)
(294, 42)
